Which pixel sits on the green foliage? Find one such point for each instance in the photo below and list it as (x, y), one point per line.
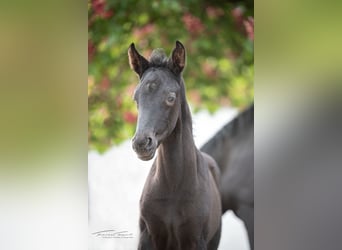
(219, 68)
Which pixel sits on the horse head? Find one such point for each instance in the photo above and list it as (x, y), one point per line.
(158, 97)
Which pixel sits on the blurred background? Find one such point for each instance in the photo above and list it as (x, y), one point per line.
(218, 38)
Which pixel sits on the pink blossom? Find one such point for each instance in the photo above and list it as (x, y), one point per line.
(193, 24)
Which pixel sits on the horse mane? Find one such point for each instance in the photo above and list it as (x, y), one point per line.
(232, 129)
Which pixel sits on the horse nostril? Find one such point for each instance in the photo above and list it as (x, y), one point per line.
(142, 142)
(149, 141)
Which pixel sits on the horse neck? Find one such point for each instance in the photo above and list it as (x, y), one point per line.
(177, 155)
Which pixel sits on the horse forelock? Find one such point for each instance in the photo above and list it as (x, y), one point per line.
(158, 58)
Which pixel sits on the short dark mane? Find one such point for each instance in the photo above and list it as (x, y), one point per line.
(235, 127)
(158, 58)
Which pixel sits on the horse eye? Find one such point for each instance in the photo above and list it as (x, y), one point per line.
(171, 99)
(152, 86)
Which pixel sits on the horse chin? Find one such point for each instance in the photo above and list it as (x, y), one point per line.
(148, 156)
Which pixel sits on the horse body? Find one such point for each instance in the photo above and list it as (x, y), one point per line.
(183, 215)
(180, 205)
(233, 149)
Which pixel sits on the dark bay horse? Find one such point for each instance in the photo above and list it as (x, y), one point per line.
(233, 149)
(180, 207)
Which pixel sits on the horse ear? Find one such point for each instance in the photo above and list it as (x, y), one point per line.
(178, 58)
(137, 62)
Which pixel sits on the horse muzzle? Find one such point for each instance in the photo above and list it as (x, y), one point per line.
(145, 146)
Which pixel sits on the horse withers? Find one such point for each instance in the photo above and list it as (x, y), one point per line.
(180, 206)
